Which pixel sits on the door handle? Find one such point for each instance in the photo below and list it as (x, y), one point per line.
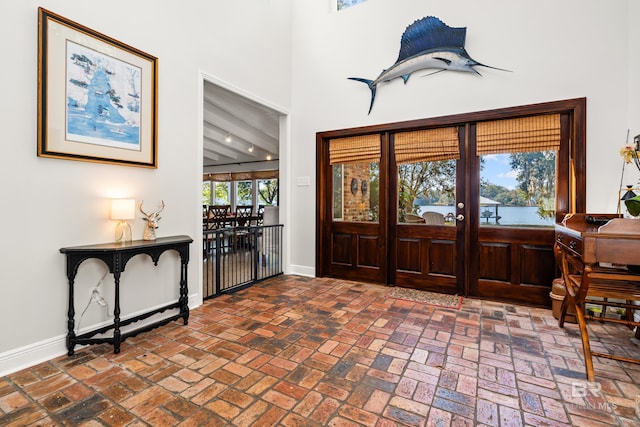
(460, 217)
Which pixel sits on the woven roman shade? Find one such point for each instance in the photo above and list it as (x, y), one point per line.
(240, 176)
(220, 177)
(247, 176)
(535, 133)
(354, 149)
(427, 145)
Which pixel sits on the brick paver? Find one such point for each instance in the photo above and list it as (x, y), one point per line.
(296, 351)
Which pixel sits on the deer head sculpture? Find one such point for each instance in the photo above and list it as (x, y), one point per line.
(152, 222)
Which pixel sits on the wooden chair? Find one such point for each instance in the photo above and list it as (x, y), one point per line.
(260, 215)
(606, 287)
(217, 218)
(242, 223)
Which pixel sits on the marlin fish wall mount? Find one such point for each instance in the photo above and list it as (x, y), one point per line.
(428, 43)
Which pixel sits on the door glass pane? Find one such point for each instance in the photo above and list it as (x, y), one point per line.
(337, 171)
(426, 192)
(518, 189)
(355, 192)
(221, 194)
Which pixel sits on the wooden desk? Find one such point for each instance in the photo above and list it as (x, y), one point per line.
(116, 256)
(593, 262)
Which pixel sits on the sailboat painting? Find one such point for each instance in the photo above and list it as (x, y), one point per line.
(102, 99)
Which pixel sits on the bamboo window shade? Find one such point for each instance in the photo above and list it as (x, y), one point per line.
(525, 134)
(354, 149)
(240, 176)
(427, 145)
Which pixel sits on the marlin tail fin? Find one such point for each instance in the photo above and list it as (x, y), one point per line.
(372, 87)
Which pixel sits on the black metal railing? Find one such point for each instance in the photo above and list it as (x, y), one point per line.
(235, 258)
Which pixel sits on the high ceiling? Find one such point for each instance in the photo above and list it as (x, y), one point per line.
(239, 133)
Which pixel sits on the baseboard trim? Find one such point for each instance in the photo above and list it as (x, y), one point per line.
(302, 270)
(32, 354)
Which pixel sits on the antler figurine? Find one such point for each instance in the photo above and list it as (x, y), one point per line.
(152, 222)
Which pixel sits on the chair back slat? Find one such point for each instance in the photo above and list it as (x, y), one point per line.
(243, 214)
(218, 214)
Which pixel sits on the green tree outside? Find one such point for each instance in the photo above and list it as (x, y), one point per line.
(268, 192)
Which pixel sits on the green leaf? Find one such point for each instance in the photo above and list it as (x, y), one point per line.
(633, 205)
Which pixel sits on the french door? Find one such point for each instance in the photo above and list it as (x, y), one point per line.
(374, 228)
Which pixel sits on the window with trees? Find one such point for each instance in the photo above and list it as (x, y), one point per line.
(268, 192)
(426, 162)
(206, 193)
(221, 193)
(244, 191)
(518, 170)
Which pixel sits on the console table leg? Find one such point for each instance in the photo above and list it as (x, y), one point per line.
(116, 315)
(184, 293)
(71, 335)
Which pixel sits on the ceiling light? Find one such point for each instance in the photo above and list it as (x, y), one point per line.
(227, 139)
(268, 156)
(251, 149)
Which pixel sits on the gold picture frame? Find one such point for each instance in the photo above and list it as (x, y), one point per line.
(97, 97)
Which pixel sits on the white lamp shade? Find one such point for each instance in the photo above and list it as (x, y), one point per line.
(123, 209)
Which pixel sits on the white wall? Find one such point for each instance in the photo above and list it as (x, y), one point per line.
(48, 203)
(556, 50)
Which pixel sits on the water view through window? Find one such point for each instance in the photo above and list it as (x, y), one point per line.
(516, 189)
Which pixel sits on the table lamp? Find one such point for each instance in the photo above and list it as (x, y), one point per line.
(122, 210)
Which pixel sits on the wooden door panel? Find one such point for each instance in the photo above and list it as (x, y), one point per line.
(357, 252)
(409, 258)
(537, 265)
(495, 261)
(426, 258)
(515, 264)
(442, 257)
(341, 249)
(368, 253)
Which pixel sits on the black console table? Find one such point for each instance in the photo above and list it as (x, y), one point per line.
(116, 256)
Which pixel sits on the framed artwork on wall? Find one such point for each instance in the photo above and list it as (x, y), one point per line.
(97, 97)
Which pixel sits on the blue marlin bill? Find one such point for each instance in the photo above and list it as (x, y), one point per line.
(428, 43)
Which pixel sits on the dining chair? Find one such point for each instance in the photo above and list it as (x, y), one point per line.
(217, 218)
(242, 223)
(260, 215)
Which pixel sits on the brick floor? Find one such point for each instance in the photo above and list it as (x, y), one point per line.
(296, 351)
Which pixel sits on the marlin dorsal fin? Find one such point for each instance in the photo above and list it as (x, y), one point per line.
(429, 33)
